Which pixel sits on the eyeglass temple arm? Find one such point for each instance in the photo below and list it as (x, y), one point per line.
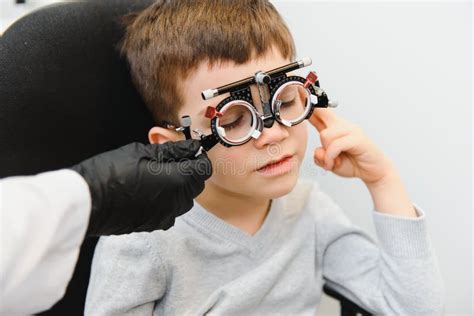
(207, 141)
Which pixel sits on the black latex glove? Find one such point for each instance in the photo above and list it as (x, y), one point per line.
(143, 187)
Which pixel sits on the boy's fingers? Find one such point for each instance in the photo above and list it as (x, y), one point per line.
(328, 135)
(326, 115)
(337, 147)
(316, 122)
(319, 156)
(323, 118)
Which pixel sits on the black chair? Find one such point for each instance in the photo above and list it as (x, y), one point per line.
(348, 308)
(65, 95)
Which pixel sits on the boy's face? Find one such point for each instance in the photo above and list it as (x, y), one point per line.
(236, 170)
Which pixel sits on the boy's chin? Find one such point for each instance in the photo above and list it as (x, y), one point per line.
(274, 187)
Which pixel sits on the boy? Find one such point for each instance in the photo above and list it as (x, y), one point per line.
(258, 240)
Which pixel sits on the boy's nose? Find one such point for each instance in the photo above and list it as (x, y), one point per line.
(274, 134)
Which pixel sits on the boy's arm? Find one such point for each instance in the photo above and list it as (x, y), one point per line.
(390, 196)
(401, 276)
(398, 276)
(127, 276)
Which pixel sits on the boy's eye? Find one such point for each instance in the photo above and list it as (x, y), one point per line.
(287, 103)
(233, 124)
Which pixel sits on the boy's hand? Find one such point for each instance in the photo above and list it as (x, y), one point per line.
(348, 152)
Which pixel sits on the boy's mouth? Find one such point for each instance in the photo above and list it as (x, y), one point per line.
(277, 166)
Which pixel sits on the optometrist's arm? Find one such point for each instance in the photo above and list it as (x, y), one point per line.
(44, 218)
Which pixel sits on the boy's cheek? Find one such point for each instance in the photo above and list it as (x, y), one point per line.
(235, 161)
(230, 161)
(299, 135)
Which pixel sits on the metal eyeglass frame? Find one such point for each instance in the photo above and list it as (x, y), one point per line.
(275, 79)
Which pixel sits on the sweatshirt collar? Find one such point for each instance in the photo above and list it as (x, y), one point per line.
(206, 220)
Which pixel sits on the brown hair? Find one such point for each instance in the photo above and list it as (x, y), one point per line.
(167, 40)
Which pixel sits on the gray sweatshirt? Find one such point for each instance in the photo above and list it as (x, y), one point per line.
(204, 265)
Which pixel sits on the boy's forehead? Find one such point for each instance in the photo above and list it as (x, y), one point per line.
(208, 77)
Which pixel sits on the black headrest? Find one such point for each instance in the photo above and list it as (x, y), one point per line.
(65, 94)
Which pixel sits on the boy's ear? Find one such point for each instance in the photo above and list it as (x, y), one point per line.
(160, 135)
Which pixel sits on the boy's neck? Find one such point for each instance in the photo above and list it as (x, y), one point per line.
(243, 212)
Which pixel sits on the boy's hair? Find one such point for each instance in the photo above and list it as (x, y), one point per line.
(168, 40)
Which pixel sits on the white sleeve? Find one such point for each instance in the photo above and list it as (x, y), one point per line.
(43, 220)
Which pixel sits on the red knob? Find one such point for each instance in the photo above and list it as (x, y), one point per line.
(311, 78)
(211, 112)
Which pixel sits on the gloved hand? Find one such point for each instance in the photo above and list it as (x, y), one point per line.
(143, 187)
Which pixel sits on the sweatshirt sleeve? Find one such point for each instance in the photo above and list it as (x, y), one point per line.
(398, 275)
(127, 276)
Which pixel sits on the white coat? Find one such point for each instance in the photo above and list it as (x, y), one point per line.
(43, 221)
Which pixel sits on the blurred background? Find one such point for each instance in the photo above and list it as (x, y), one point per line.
(10, 10)
(403, 72)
